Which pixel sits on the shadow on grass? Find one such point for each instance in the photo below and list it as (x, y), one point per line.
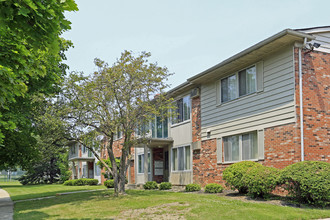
(32, 215)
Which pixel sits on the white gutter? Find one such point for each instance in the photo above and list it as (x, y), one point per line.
(301, 102)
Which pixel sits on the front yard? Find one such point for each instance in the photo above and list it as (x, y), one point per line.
(140, 204)
(20, 192)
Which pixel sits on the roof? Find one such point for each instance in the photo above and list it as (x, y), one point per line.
(248, 56)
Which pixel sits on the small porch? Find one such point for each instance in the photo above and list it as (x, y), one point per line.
(82, 168)
(153, 161)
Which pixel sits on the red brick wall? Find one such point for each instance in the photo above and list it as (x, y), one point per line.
(316, 103)
(196, 119)
(282, 145)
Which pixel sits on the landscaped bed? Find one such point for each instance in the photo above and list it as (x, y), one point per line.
(155, 204)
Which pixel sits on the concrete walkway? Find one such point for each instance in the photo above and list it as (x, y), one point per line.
(6, 206)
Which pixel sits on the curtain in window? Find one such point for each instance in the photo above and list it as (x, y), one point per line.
(180, 158)
(246, 147)
(231, 148)
(251, 80)
(187, 158)
(140, 163)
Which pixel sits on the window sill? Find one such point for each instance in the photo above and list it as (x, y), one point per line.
(181, 123)
(238, 99)
(231, 162)
(181, 171)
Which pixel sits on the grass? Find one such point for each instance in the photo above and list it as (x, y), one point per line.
(20, 192)
(139, 204)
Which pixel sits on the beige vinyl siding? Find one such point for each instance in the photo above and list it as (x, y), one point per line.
(272, 106)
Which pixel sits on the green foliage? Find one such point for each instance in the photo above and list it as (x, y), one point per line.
(165, 186)
(193, 187)
(308, 182)
(69, 183)
(31, 67)
(150, 185)
(213, 188)
(260, 181)
(81, 182)
(109, 183)
(234, 173)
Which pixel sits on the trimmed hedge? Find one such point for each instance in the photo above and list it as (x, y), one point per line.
(81, 182)
(193, 187)
(260, 181)
(308, 182)
(109, 183)
(234, 173)
(165, 186)
(150, 185)
(213, 188)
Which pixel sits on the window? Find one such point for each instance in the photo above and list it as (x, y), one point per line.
(183, 110)
(241, 147)
(242, 83)
(181, 158)
(119, 134)
(73, 149)
(159, 127)
(141, 163)
(84, 149)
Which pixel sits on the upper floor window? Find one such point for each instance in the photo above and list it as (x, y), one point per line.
(241, 147)
(242, 83)
(183, 110)
(159, 127)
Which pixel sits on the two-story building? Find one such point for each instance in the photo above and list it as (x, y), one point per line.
(248, 107)
(268, 103)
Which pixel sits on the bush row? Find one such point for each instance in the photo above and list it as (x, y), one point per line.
(307, 181)
(153, 185)
(81, 182)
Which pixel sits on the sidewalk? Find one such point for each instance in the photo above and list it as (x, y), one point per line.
(6, 206)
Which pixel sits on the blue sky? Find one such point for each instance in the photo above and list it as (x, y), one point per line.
(188, 37)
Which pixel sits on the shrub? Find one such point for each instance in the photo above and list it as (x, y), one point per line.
(308, 182)
(234, 173)
(193, 187)
(68, 183)
(260, 181)
(92, 182)
(165, 186)
(81, 182)
(213, 188)
(109, 183)
(150, 185)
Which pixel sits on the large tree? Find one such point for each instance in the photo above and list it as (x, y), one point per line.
(31, 55)
(121, 97)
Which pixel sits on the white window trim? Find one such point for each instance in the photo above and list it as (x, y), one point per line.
(240, 148)
(184, 153)
(142, 154)
(218, 87)
(185, 121)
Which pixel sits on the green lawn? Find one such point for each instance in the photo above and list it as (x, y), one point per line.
(20, 192)
(140, 204)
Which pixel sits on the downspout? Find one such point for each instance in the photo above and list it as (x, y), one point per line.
(301, 102)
